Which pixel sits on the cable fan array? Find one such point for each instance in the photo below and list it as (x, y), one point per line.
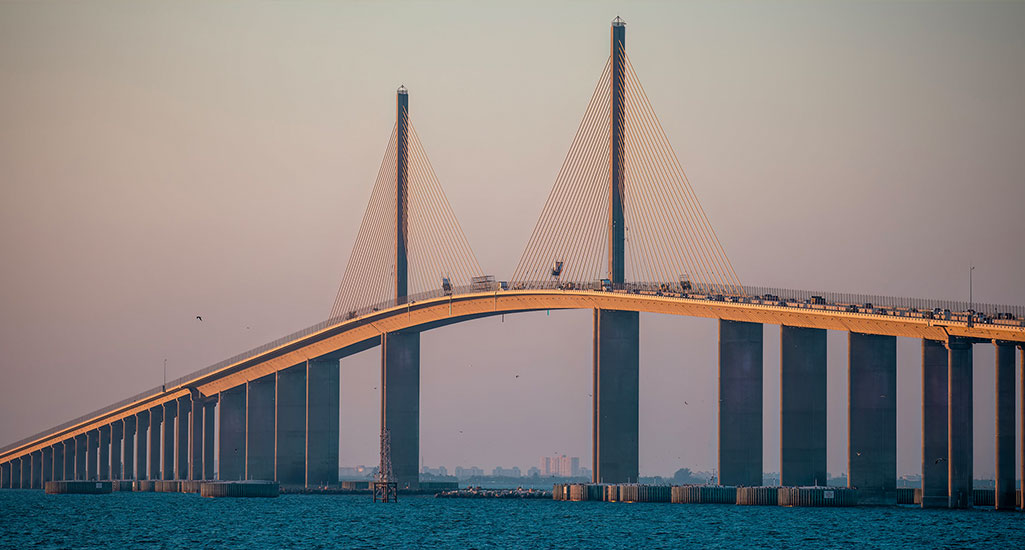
(668, 238)
(436, 247)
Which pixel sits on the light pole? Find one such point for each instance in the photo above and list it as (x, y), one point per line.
(971, 301)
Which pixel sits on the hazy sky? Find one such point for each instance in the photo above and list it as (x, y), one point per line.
(162, 161)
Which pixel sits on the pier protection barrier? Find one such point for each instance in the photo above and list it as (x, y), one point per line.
(633, 492)
(758, 496)
(611, 493)
(817, 496)
(909, 495)
(239, 489)
(165, 486)
(586, 491)
(983, 497)
(121, 485)
(77, 487)
(560, 491)
(191, 486)
(143, 486)
(704, 494)
(355, 485)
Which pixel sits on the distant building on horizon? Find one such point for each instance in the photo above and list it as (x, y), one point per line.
(560, 466)
(499, 471)
(466, 473)
(440, 471)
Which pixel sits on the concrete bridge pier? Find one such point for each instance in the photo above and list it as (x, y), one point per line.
(103, 471)
(934, 425)
(959, 418)
(181, 439)
(16, 473)
(233, 434)
(259, 431)
(195, 467)
(170, 420)
(69, 459)
(156, 419)
(802, 406)
(36, 477)
(209, 416)
(92, 438)
(400, 403)
(872, 421)
(117, 435)
(5, 475)
(290, 427)
(616, 396)
(46, 466)
(128, 457)
(740, 403)
(81, 456)
(57, 452)
(141, 439)
(1005, 494)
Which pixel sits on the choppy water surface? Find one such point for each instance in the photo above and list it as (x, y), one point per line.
(155, 520)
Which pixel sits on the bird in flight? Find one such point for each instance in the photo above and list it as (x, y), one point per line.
(940, 459)
(517, 376)
(200, 317)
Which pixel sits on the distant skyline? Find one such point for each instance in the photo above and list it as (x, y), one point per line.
(163, 161)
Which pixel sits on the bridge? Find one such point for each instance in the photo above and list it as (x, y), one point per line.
(621, 233)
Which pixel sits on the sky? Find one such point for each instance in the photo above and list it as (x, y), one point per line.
(160, 161)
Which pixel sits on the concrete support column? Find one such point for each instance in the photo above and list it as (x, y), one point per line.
(209, 416)
(91, 458)
(740, 403)
(36, 478)
(233, 434)
(80, 457)
(128, 472)
(290, 428)
(16, 473)
(181, 444)
(117, 435)
(959, 422)
(616, 396)
(802, 406)
(156, 419)
(322, 422)
(69, 459)
(5, 475)
(58, 461)
(196, 440)
(103, 472)
(400, 403)
(872, 421)
(260, 412)
(1005, 497)
(934, 424)
(170, 422)
(141, 444)
(46, 470)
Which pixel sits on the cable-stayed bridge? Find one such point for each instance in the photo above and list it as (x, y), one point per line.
(622, 232)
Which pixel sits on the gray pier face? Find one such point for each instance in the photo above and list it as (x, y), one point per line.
(196, 440)
(872, 421)
(233, 434)
(104, 454)
(141, 439)
(802, 406)
(290, 430)
(156, 419)
(169, 420)
(128, 457)
(36, 477)
(1005, 496)
(16, 473)
(69, 459)
(46, 466)
(92, 450)
(58, 461)
(959, 418)
(260, 412)
(400, 403)
(740, 403)
(616, 396)
(117, 435)
(934, 424)
(209, 416)
(181, 439)
(5, 475)
(80, 457)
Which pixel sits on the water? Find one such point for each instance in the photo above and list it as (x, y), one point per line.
(32, 519)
